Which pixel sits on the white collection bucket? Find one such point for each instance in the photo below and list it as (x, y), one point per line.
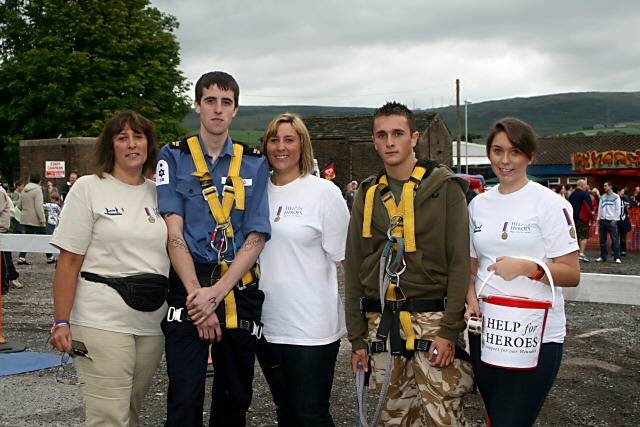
(513, 327)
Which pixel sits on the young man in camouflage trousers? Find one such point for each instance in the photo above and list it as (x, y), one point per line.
(424, 300)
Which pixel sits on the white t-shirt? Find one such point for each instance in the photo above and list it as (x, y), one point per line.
(533, 222)
(117, 228)
(309, 220)
(53, 210)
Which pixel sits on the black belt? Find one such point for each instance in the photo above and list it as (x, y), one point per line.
(389, 326)
(419, 345)
(179, 314)
(414, 305)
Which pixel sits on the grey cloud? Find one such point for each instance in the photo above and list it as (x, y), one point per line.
(498, 48)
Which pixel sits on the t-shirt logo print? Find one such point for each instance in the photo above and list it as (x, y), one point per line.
(113, 212)
(277, 218)
(476, 227)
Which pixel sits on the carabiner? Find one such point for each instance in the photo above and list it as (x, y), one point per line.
(395, 222)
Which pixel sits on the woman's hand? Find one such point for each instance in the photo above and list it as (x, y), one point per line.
(509, 268)
(61, 339)
(209, 330)
(473, 309)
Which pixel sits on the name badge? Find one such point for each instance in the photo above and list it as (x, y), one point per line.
(248, 182)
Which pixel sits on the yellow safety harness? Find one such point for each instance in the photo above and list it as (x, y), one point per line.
(402, 238)
(234, 194)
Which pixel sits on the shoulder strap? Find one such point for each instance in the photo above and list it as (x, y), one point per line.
(232, 193)
(405, 210)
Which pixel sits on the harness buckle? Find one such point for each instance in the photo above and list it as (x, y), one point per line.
(395, 305)
(395, 222)
(207, 190)
(174, 314)
(257, 330)
(377, 346)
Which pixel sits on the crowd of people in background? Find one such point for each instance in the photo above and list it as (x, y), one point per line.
(32, 207)
(610, 208)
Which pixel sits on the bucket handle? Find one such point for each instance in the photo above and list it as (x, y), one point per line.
(526, 258)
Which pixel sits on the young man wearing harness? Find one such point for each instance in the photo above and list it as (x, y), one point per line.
(407, 243)
(212, 194)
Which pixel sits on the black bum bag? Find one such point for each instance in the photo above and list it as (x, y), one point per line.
(142, 292)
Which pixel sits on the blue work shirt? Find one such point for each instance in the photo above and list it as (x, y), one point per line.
(180, 193)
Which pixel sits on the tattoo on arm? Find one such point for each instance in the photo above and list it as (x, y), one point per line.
(252, 243)
(176, 241)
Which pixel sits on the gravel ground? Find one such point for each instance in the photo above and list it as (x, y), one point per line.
(598, 384)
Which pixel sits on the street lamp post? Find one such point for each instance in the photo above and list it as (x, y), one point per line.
(466, 138)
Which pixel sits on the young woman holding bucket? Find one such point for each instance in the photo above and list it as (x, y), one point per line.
(521, 233)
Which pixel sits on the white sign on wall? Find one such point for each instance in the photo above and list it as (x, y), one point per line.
(54, 169)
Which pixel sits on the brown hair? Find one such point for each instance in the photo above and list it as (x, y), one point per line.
(306, 150)
(394, 109)
(519, 133)
(103, 154)
(221, 79)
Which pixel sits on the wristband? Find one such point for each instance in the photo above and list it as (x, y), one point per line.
(538, 275)
(59, 324)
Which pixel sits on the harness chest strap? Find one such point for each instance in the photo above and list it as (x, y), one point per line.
(404, 211)
(222, 211)
(235, 193)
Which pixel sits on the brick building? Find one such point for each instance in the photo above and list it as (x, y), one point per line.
(347, 142)
(75, 152)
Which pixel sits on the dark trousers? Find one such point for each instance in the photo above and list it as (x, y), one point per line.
(186, 354)
(300, 379)
(32, 229)
(515, 398)
(606, 227)
(9, 271)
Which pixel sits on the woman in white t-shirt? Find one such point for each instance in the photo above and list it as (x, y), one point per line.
(302, 313)
(109, 287)
(519, 218)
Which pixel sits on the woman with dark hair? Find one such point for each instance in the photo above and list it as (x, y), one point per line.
(302, 312)
(519, 218)
(110, 283)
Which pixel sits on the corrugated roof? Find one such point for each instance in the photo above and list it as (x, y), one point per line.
(557, 150)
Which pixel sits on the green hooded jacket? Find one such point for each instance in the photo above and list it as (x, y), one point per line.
(439, 267)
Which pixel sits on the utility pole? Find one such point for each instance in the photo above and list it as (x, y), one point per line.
(458, 125)
(466, 138)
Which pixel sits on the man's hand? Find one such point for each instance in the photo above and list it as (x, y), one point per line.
(209, 329)
(359, 358)
(203, 302)
(441, 353)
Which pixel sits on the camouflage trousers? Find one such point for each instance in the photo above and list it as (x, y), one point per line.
(420, 394)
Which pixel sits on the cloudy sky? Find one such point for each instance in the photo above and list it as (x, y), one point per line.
(365, 52)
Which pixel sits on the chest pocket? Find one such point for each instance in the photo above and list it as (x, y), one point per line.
(189, 188)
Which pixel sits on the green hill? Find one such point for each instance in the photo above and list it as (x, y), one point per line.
(552, 114)
(549, 114)
(257, 117)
